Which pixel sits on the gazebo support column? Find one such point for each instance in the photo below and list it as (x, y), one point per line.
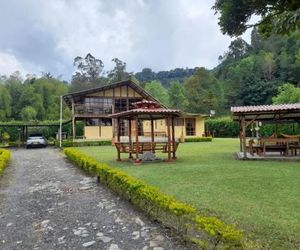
(152, 135)
(130, 139)
(169, 139)
(244, 137)
(240, 135)
(137, 145)
(173, 140)
(118, 138)
(74, 128)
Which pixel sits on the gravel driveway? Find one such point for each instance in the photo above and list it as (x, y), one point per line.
(47, 203)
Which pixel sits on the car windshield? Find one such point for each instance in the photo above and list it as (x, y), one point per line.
(35, 137)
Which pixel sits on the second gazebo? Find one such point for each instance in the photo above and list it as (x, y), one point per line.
(132, 144)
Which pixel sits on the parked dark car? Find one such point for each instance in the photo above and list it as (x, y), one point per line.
(35, 141)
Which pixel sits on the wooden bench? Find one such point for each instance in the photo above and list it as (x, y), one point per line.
(156, 134)
(126, 147)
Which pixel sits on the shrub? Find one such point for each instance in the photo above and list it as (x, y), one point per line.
(226, 127)
(223, 127)
(5, 137)
(208, 232)
(4, 159)
(70, 143)
(198, 139)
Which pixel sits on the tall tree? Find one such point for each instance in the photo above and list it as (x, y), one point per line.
(177, 98)
(203, 92)
(277, 16)
(89, 67)
(89, 73)
(118, 73)
(237, 49)
(5, 104)
(158, 91)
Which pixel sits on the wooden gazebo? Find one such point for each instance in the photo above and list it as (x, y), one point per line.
(145, 111)
(268, 114)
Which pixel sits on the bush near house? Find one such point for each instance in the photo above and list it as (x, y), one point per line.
(227, 128)
(4, 159)
(198, 139)
(206, 232)
(70, 143)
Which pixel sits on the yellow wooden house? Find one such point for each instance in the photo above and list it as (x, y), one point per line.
(93, 106)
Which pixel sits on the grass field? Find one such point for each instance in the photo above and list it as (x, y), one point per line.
(262, 198)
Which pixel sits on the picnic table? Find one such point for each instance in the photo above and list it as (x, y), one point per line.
(285, 146)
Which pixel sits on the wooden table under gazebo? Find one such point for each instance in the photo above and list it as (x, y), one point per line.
(287, 147)
(145, 111)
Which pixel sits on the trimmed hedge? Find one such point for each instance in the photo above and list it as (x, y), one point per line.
(70, 143)
(207, 232)
(226, 127)
(198, 139)
(223, 127)
(4, 159)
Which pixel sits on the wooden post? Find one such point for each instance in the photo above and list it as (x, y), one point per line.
(118, 138)
(130, 139)
(240, 135)
(74, 128)
(173, 139)
(137, 145)
(244, 138)
(152, 135)
(169, 139)
(26, 132)
(73, 121)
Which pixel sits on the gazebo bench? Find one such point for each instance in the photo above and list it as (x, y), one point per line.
(126, 147)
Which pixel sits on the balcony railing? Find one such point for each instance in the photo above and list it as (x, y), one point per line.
(88, 109)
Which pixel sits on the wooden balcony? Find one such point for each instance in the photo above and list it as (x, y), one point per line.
(84, 110)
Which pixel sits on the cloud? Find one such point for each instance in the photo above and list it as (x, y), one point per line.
(9, 64)
(161, 35)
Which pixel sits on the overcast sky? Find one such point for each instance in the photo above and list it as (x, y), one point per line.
(38, 35)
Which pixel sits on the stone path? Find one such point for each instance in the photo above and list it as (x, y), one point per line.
(47, 203)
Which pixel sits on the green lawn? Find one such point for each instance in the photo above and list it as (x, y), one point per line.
(262, 198)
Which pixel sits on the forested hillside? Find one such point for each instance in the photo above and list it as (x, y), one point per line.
(266, 70)
(252, 73)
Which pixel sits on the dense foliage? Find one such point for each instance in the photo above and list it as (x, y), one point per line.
(226, 127)
(165, 77)
(252, 73)
(278, 16)
(32, 99)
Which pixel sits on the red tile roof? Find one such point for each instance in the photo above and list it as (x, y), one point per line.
(266, 108)
(160, 111)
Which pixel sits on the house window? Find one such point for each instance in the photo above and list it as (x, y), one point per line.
(190, 126)
(120, 105)
(92, 122)
(105, 122)
(178, 122)
(98, 105)
(98, 122)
